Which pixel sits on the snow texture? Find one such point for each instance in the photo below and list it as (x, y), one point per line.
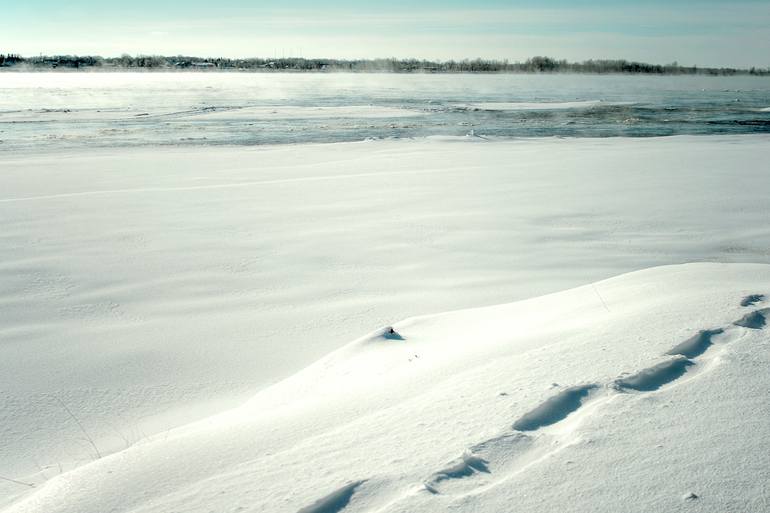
(146, 291)
(602, 411)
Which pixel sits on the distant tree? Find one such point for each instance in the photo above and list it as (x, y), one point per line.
(538, 64)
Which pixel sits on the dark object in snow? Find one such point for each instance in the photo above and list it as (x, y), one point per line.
(392, 334)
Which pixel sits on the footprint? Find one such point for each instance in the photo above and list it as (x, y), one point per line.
(652, 378)
(465, 466)
(554, 409)
(503, 450)
(751, 299)
(335, 501)
(514, 449)
(695, 345)
(755, 320)
(503, 443)
(512, 452)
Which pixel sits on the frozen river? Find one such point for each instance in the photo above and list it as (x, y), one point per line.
(76, 110)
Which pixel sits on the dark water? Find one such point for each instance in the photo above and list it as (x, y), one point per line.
(70, 110)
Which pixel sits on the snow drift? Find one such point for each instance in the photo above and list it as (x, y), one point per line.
(644, 392)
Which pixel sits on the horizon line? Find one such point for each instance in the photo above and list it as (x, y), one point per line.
(12, 59)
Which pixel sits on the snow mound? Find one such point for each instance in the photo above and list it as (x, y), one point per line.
(638, 393)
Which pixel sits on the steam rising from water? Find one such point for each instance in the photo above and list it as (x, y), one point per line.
(72, 110)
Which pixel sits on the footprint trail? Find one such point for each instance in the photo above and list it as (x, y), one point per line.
(552, 425)
(498, 459)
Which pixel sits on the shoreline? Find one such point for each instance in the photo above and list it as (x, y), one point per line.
(108, 151)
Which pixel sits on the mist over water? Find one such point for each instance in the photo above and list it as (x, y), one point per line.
(74, 110)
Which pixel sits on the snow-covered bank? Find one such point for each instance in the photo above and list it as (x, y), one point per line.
(644, 392)
(144, 289)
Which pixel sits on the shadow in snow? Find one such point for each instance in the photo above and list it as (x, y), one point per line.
(751, 299)
(755, 320)
(466, 466)
(554, 409)
(695, 345)
(335, 501)
(656, 376)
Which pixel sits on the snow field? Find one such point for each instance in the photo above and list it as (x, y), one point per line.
(474, 409)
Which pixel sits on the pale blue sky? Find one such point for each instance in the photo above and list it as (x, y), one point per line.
(703, 32)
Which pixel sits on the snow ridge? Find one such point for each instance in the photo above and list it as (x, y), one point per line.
(398, 456)
(502, 453)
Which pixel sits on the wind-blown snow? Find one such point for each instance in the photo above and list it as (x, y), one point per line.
(145, 289)
(432, 422)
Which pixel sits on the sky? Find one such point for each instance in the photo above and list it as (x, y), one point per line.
(700, 32)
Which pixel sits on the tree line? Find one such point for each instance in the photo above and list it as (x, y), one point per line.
(532, 65)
